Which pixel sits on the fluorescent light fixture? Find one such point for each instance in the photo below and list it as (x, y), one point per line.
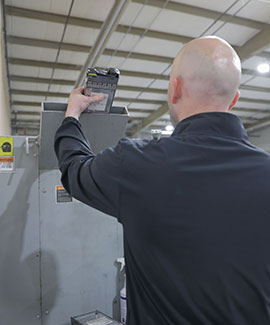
(263, 68)
(165, 132)
(169, 127)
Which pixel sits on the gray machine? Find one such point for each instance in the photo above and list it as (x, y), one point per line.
(57, 257)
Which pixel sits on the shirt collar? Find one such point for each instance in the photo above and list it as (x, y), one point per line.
(212, 123)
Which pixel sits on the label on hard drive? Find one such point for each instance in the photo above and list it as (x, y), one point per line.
(100, 106)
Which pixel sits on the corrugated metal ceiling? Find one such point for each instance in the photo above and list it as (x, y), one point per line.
(149, 35)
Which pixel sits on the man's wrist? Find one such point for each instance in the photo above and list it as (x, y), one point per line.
(71, 119)
(72, 115)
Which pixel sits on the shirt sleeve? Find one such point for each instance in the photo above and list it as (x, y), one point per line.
(92, 179)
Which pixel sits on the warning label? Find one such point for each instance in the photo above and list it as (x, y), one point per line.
(7, 164)
(62, 196)
(6, 146)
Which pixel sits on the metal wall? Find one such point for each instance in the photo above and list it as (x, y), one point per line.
(19, 239)
(79, 248)
(57, 260)
(5, 128)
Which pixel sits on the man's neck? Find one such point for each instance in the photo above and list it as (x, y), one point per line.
(185, 113)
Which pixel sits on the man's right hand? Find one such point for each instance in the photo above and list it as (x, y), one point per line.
(78, 102)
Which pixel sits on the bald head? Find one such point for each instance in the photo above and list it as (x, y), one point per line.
(205, 77)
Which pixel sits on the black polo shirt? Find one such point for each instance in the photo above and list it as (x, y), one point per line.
(195, 209)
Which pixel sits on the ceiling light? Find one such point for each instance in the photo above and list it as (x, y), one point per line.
(263, 68)
(164, 132)
(169, 127)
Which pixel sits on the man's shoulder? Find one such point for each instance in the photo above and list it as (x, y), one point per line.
(135, 143)
(140, 145)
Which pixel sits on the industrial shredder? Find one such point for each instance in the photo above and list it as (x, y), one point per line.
(57, 255)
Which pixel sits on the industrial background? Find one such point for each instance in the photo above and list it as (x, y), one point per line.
(48, 42)
(58, 257)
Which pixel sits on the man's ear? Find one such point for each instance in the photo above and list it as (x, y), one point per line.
(177, 89)
(235, 99)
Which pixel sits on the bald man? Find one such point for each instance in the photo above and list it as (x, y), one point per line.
(194, 206)
(205, 77)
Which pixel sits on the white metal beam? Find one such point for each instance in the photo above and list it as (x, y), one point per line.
(255, 45)
(105, 33)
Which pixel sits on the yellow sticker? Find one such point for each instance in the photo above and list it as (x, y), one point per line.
(6, 146)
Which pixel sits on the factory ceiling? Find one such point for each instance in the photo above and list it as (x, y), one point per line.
(50, 42)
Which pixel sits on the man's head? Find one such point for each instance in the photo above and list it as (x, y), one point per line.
(205, 77)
